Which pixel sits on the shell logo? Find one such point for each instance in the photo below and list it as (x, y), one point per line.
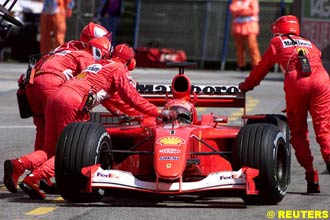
(169, 140)
(81, 75)
(304, 50)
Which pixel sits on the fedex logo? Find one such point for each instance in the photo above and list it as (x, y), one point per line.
(106, 175)
(94, 68)
(63, 52)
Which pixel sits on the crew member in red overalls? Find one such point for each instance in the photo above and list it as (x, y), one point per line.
(55, 68)
(125, 54)
(50, 72)
(245, 29)
(307, 89)
(67, 104)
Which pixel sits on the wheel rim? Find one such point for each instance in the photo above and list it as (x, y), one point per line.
(281, 167)
(105, 156)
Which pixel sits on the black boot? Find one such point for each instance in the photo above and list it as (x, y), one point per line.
(48, 186)
(312, 182)
(313, 187)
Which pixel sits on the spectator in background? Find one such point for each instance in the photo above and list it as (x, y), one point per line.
(53, 23)
(245, 29)
(109, 14)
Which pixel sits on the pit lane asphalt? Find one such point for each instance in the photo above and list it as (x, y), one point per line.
(17, 136)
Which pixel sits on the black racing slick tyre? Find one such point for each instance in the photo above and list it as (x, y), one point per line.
(263, 146)
(280, 121)
(81, 144)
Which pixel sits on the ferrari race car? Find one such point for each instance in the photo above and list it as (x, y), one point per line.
(192, 154)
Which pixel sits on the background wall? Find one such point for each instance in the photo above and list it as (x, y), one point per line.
(199, 27)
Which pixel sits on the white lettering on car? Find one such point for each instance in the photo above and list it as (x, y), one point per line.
(170, 151)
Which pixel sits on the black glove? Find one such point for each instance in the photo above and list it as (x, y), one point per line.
(242, 87)
(124, 118)
(168, 114)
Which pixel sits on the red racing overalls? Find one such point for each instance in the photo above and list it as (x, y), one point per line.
(51, 71)
(305, 91)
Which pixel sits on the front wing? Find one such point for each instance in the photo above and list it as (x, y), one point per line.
(242, 179)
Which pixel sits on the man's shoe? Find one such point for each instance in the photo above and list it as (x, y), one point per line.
(313, 182)
(328, 167)
(30, 185)
(48, 186)
(313, 188)
(13, 169)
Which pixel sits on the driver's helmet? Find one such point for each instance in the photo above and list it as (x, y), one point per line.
(183, 108)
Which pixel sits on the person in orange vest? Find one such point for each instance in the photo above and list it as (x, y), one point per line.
(245, 29)
(53, 23)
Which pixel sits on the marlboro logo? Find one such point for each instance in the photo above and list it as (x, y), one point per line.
(170, 141)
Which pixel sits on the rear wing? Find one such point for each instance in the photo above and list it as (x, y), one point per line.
(228, 96)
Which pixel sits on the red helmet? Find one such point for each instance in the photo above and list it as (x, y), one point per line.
(288, 24)
(184, 109)
(93, 30)
(100, 47)
(125, 54)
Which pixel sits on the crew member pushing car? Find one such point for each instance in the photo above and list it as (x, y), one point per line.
(73, 101)
(50, 72)
(125, 54)
(57, 67)
(307, 89)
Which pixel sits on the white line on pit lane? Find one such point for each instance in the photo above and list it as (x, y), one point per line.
(18, 126)
(7, 85)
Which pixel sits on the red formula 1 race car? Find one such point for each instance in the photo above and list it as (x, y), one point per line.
(193, 154)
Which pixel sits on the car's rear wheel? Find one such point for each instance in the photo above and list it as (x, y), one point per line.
(263, 146)
(80, 144)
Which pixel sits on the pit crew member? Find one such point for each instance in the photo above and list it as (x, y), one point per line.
(125, 54)
(307, 89)
(57, 67)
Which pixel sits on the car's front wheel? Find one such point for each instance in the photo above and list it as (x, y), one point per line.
(80, 145)
(263, 146)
